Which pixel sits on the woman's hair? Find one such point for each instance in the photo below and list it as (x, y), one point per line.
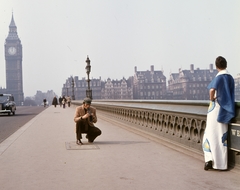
(221, 62)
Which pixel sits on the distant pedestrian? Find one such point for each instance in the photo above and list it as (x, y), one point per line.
(64, 101)
(60, 101)
(68, 101)
(44, 102)
(55, 102)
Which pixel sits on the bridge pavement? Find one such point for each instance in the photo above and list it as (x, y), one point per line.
(43, 155)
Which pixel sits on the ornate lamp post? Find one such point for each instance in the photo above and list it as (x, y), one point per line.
(73, 96)
(88, 70)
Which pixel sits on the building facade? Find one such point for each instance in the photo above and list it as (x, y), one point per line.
(77, 88)
(110, 89)
(237, 87)
(13, 60)
(149, 84)
(190, 84)
(117, 89)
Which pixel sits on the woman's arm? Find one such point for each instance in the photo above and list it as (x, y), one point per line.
(212, 94)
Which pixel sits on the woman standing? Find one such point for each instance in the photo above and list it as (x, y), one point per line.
(60, 101)
(221, 110)
(55, 102)
(64, 101)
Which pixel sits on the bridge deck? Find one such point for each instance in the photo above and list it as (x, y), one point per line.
(43, 155)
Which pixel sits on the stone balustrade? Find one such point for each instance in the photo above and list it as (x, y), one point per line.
(181, 122)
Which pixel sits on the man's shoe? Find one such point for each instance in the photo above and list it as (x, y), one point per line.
(208, 165)
(90, 141)
(79, 142)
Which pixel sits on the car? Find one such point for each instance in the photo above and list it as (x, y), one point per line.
(7, 104)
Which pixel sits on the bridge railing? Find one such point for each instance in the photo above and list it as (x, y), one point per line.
(182, 122)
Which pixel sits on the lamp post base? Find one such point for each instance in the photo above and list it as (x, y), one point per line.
(89, 93)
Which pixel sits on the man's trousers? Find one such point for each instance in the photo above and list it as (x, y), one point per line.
(91, 131)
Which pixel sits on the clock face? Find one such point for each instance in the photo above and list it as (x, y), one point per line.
(12, 50)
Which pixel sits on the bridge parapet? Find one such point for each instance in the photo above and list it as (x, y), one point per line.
(182, 122)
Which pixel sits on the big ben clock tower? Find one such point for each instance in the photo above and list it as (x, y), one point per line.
(13, 58)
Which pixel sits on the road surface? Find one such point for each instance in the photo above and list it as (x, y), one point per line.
(10, 124)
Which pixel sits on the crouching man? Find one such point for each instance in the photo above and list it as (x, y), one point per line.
(84, 118)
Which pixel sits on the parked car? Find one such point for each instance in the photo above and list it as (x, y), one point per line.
(7, 104)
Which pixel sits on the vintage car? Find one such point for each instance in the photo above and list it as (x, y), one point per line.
(7, 104)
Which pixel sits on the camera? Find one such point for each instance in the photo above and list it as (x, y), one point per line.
(90, 117)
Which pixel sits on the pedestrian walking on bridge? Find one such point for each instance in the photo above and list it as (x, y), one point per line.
(54, 101)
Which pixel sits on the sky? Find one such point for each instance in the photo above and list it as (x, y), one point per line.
(117, 35)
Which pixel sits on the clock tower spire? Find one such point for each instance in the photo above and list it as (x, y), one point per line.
(12, 30)
(13, 60)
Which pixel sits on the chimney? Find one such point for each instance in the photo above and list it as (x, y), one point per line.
(192, 68)
(135, 69)
(152, 68)
(211, 68)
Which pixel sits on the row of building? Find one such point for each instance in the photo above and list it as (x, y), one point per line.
(185, 85)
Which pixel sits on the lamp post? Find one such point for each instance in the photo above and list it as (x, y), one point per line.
(73, 96)
(88, 70)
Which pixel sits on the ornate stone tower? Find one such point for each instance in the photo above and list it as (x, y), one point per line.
(13, 59)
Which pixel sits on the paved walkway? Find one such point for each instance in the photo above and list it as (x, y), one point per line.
(42, 155)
